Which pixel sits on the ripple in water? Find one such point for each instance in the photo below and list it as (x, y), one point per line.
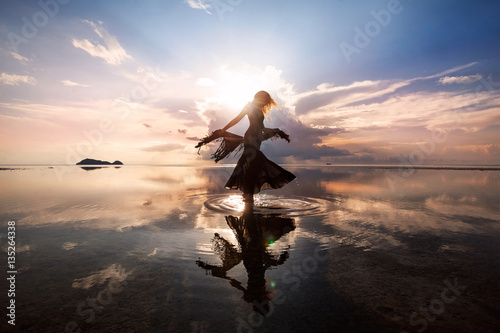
(267, 204)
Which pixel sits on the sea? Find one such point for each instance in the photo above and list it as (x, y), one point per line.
(168, 249)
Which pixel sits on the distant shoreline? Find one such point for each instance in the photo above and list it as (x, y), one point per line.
(5, 167)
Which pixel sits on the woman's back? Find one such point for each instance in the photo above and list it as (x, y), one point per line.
(256, 118)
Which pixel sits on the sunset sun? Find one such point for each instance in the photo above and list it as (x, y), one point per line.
(236, 88)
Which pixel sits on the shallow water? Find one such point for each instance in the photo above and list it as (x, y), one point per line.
(167, 249)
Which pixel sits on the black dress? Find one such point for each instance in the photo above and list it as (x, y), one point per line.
(254, 171)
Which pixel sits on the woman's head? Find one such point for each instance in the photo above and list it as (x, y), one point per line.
(264, 101)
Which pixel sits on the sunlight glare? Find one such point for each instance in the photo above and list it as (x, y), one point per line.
(235, 202)
(235, 89)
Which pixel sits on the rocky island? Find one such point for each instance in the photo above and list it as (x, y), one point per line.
(90, 161)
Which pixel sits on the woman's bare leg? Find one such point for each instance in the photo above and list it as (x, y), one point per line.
(248, 198)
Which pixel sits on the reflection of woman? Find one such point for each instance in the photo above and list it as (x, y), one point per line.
(253, 172)
(254, 233)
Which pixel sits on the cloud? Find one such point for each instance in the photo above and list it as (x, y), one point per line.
(182, 131)
(448, 71)
(201, 4)
(147, 126)
(488, 152)
(205, 82)
(427, 122)
(327, 94)
(378, 120)
(340, 96)
(14, 79)
(163, 148)
(305, 142)
(15, 55)
(111, 52)
(300, 152)
(19, 57)
(73, 84)
(460, 79)
(423, 110)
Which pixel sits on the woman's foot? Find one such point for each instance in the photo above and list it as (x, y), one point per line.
(248, 198)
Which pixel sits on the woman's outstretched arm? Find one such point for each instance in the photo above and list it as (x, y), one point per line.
(235, 120)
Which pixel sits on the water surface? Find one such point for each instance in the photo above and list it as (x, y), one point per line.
(167, 249)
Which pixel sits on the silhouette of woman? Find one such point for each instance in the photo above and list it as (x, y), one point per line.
(254, 171)
(254, 233)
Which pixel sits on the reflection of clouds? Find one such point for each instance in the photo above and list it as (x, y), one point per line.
(343, 187)
(19, 247)
(69, 245)
(24, 248)
(312, 234)
(203, 248)
(364, 223)
(464, 206)
(368, 211)
(452, 248)
(153, 253)
(113, 272)
(211, 222)
(373, 224)
(370, 215)
(106, 199)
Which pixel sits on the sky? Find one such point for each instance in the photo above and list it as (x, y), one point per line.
(407, 82)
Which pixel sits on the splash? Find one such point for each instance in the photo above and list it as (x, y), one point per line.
(268, 204)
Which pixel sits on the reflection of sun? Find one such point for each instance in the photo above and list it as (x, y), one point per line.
(235, 202)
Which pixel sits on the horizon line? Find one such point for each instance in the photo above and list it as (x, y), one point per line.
(327, 164)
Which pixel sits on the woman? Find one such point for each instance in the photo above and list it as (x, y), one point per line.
(253, 172)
